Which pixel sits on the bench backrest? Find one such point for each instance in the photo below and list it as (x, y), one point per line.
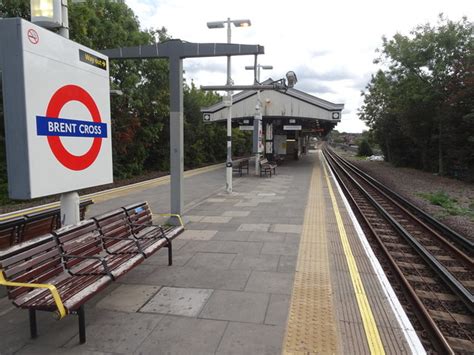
(263, 161)
(80, 239)
(35, 261)
(10, 232)
(139, 215)
(40, 223)
(114, 224)
(17, 230)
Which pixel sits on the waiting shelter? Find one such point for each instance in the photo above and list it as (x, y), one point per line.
(289, 118)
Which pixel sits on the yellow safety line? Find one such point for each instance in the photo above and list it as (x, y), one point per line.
(370, 327)
(112, 193)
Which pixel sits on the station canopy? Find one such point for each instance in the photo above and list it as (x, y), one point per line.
(281, 108)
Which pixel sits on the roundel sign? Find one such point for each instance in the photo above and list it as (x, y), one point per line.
(73, 127)
(58, 131)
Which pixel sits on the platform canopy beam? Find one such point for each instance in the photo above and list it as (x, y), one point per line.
(176, 51)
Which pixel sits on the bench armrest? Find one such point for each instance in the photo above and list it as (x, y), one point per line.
(130, 239)
(144, 235)
(91, 257)
(171, 215)
(60, 313)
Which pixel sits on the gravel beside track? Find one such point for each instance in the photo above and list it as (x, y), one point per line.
(410, 183)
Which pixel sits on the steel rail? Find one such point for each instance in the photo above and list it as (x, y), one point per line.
(457, 287)
(451, 234)
(437, 338)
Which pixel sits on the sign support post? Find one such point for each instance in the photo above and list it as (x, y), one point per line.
(70, 201)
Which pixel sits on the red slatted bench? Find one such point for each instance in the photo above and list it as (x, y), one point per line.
(59, 272)
(20, 229)
(267, 167)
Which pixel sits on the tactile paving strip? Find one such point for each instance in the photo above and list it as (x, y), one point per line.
(311, 326)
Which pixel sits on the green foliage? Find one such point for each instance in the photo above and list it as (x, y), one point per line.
(15, 8)
(364, 149)
(140, 117)
(450, 205)
(420, 107)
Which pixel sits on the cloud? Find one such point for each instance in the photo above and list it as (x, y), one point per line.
(196, 66)
(330, 75)
(314, 87)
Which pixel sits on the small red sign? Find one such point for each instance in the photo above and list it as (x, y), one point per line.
(33, 36)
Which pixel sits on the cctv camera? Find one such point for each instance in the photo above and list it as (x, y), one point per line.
(291, 78)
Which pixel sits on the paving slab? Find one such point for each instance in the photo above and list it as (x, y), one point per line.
(128, 298)
(216, 219)
(178, 301)
(232, 236)
(236, 213)
(117, 332)
(139, 272)
(260, 262)
(236, 306)
(245, 338)
(211, 260)
(266, 237)
(36, 349)
(286, 228)
(161, 259)
(191, 218)
(287, 263)
(247, 204)
(280, 248)
(200, 278)
(220, 246)
(254, 227)
(277, 311)
(179, 335)
(270, 282)
(191, 234)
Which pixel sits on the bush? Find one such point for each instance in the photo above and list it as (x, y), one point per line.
(364, 149)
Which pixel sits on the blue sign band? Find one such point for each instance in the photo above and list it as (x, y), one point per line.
(62, 127)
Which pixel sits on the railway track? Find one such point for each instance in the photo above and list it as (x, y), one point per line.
(431, 265)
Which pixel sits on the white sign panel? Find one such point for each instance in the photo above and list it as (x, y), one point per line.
(246, 128)
(58, 127)
(292, 128)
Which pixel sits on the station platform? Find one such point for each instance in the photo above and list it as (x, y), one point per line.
(278, 266)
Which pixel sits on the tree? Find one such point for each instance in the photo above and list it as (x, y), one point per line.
(419, 105)
(364, 149)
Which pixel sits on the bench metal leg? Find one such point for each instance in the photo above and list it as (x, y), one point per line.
(33, 328)
(82, 325)
(170, 253)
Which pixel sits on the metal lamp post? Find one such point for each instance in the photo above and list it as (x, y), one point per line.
(221, 24)
(258, 108)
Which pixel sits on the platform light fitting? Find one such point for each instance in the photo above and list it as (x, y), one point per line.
(291, 79)
(46, 13)
(221, 24)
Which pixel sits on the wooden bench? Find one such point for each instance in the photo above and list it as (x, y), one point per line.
(267, 167)
(60, 271)
(32, 225)
(240, 166)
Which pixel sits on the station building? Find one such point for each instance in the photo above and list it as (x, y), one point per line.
(289, 118)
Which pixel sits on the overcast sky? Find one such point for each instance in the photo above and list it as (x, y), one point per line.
(329, 44)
